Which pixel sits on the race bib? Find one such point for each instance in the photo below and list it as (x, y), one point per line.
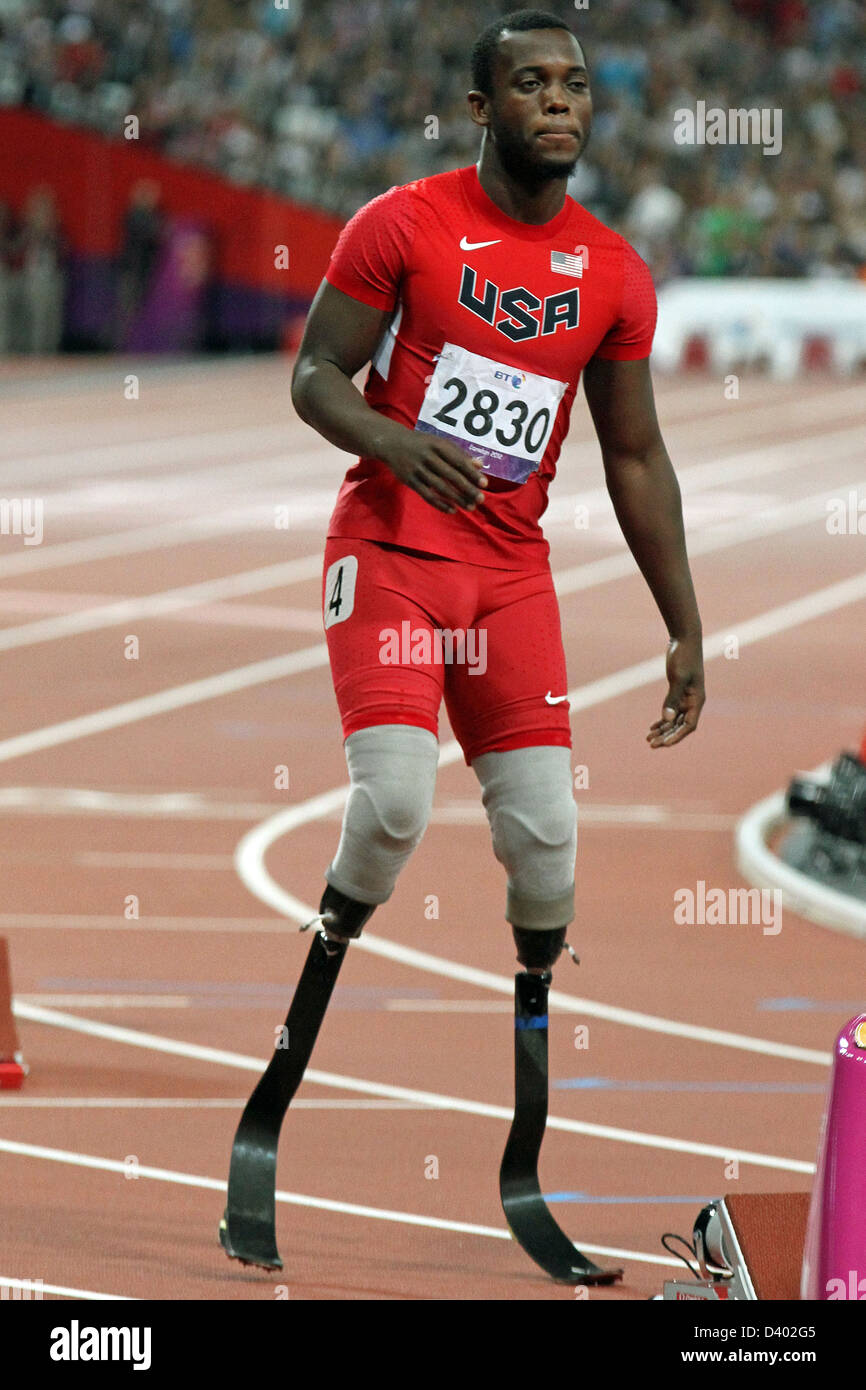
(501, 415)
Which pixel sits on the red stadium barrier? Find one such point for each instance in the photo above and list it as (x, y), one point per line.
(92, 176)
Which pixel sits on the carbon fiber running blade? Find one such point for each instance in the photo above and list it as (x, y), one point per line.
(248, 1228)
(529, 1219)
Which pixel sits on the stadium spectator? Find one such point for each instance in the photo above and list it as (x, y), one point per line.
(655, 212)
(139, 253)
(38, 280)
(6, 252)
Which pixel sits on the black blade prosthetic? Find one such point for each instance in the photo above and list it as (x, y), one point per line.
(248, 1227)
(529, 1219)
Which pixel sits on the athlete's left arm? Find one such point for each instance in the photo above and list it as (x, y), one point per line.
(646, 498)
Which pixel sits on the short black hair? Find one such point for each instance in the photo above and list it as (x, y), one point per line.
(484, 48)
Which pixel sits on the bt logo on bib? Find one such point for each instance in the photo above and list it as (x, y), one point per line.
(517, 379)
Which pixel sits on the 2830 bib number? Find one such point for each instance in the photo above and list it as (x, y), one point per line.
(500, 414)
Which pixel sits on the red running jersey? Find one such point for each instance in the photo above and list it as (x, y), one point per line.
(492, 323)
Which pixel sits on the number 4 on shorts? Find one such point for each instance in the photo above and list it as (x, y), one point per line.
(340, 590)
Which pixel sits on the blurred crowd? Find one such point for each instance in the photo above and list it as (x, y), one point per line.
(331, 101)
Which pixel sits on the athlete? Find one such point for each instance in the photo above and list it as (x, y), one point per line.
(478, 297)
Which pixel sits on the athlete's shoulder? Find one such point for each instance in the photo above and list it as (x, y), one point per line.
(393, 201)
(433, 189)
(626, 278)
(373, 248)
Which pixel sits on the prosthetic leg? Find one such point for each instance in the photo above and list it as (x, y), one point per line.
(529, 1219)
(248, 1228)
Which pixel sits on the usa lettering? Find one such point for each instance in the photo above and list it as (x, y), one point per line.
(521, 314)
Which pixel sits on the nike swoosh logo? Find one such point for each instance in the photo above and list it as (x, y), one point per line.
(474, 245)
(554, 699)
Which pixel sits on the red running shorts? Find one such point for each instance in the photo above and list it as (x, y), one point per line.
(406, 630)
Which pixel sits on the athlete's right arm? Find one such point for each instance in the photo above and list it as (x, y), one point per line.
(340, 338)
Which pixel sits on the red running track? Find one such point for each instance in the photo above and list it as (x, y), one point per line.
(142, 742)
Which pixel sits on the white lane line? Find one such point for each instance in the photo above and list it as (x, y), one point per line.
(83, 801)
(280, 616)
(90, 801)
(112, 1032)
(269, 616)
(252, 848)
(238, 483)
(297, 1199)
(255, 507)
(186, 531)
(46, 602)
(164, 701)
(170, 601)
(648, 817)
(111, 1001)
(108, 921)
(123, 859)
(446, 1006)
(19, 1102)
(35, 1288)
(106, 461)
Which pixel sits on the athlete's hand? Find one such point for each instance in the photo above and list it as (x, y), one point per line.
(439, 471)
(685, 697)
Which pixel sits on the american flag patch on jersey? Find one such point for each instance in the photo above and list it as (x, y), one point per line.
(564, 264)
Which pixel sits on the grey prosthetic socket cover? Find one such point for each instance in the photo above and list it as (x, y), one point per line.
(392, 769)
(527, 794)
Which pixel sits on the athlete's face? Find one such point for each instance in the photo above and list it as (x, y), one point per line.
(540, 111)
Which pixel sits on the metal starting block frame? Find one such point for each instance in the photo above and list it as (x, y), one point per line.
(724, 1275)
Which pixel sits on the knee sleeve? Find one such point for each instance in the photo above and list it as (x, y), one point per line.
(533, 820)
(392, 769)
